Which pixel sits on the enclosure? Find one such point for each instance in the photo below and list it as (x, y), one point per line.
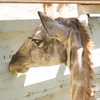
(43, 83)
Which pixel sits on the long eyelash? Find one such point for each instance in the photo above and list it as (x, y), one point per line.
(34, 40)
(30, 37)
(37, 43)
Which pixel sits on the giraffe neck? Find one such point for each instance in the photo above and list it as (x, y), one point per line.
(75, 63)
(77, 79)
(54, 10)
(79, 61)
(50, 10)
(63, 10)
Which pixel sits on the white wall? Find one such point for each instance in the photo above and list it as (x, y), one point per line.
(44, 83)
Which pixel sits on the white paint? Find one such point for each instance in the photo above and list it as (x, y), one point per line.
(96, 57)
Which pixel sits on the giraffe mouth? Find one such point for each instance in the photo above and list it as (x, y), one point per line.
(18, 69)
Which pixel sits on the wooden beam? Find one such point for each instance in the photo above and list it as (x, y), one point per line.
(88, 9)
(52, 1)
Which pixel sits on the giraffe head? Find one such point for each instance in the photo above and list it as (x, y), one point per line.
(55, 42)
(44, 48)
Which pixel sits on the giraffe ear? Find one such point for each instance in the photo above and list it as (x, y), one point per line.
(53, 28)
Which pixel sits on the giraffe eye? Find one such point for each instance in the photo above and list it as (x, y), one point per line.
(37, 41)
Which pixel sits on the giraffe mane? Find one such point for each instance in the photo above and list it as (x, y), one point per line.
(88, 45)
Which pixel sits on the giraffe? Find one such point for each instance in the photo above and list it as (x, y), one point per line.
(51, 10)
(62, 9)
(59, 41)
(54, 10)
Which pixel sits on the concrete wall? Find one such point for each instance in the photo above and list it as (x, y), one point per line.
(44, 83)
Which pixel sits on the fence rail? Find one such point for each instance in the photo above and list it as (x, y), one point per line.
(52, 1)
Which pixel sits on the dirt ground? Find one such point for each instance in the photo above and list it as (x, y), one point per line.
(26, 11)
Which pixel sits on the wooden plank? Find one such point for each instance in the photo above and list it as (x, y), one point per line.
(52, 1)
(21, 25)
(88, 9)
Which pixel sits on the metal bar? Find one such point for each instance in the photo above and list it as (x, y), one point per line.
(52, 1)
